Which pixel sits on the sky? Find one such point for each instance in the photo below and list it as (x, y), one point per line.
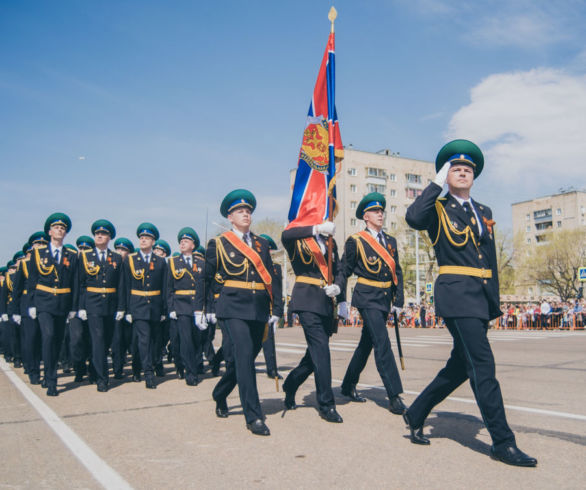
(143, 110)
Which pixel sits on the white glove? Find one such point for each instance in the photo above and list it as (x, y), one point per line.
(343, 310)
(332, 290)
(397, 310)
(163, 318)
(119, 316)
(173, 315)
(200, 320)
(273, 322)
(326, 228)
(16, 319)
(129, 318)
(32, 312)
(5, 317)
(82, 314)
(71, 315)
(442, 175)
(211, 318)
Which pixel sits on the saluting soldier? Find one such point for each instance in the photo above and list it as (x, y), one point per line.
(185, 304)
(53, 286)
(122, 337)
(241, 263)
(77, 342)
(268, 346)
(466, 295)
(31, 334)
(313, 300)
(142, 298)
(373, 256)
(99, 283)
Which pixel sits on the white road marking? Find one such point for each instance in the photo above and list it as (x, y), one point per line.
(99, 469)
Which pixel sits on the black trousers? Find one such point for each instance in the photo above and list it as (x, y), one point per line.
(268, 349)
(374, 334)
(142, 345)
(101, 330)
(31, 345)
(208, 342)
(189, 344)
(316, 359)
(80, 344)
(52, 331)
(157, 338)
(14, 339)
(175, 344)
(245, 339)
(121, 341)
(472, 359)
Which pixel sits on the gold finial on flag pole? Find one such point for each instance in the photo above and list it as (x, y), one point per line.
(332, 14)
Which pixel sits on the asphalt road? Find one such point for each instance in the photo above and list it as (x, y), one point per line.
(170, 437)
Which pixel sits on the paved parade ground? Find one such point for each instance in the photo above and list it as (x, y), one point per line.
(171, 438)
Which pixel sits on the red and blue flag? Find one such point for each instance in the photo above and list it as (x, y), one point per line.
(315, 180)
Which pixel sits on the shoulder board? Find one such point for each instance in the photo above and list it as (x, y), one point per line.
(40, 247)
(85, 252)
(73, 251)
(133, 254)
(441, 198)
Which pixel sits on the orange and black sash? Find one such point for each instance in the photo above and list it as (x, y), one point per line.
(318, 256)
(381, 251)
(253, 257)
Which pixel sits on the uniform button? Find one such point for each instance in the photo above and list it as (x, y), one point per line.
(479, 256)
(104, 281)
(103, 295)
(485, 281)
(148, 285)
(385, 293)
(148, 300)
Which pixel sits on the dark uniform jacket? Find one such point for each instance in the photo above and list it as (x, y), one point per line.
(139, 276)
(45, 273)
(224, 262)
(458, 244)
(102, 276)
(6, 295)
(361, 259)
(185, 286)
(20, 297)
(310, 297)
(278, 306)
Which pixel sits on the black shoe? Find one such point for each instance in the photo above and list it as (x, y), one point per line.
(159, 371)
(102, 387)
(416, 435)
(512, 455)
(290, 400)
(397, 406)
(150, 383)
(78, 378)
(259, 428)
(66, 368)
(136, 378)
(180, 373)
(91, 379)
(330, 415)
(35, 379)
(17, 363)
(353, 394)
(44, 383)
(118, 375)
(52, 391)
(221, 409)
(191, 381)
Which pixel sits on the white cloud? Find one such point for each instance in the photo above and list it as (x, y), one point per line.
(530, 126)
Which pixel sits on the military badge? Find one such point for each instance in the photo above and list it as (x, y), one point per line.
(473, 220)
(152, 266)
(232, 255)
(257, 245)
(114, 264)
(194, 269)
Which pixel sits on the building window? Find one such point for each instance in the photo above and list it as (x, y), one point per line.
(393, 178)
(528, 217)
(413, 178)
(558, 211)
(412, 193)
(529, 240)
(393, 225)
(375, 172)
(352, 188)
(352, 221)
(544, 226)
(542, 213)
(352, 172)
(528, 229)
(393, 192)
(541, 238)
(393, 209)
(353, 204)
(376, 188)
(559, 224)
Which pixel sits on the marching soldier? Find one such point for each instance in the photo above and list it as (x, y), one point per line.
(144, 282)
(122, 337)
(53, 286)
(313, 300)
(185, 304)
(3, 271)
(9, 327)
(31, 334)
(240, 261)
(99, 283)
(268, 345)
(372, 255)
(466, 293)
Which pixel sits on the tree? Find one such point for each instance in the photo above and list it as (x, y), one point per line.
(503, 241)
(554, 265)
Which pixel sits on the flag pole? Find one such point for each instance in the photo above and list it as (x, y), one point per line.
(332, 14)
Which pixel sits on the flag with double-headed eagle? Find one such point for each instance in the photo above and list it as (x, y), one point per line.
(315, 180)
